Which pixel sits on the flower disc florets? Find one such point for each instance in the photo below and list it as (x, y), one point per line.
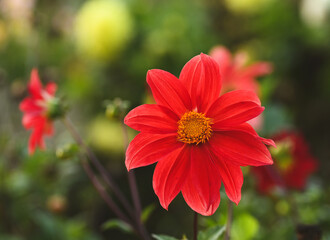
(194, 127)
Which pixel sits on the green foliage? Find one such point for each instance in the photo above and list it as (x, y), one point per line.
(116, 223)
(275, 119)
(147, 211)
(212, 233)
(163, 237)
(164, 34)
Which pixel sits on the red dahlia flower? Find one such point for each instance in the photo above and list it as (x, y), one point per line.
(235, 74)
(293, 164)
(38, 111)
(198, 138)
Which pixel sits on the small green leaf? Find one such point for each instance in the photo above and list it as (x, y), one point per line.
(163, 237)
(212, 233)
(116, 223)
(147, 212)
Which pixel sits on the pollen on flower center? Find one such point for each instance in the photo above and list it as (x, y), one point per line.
(194, 127)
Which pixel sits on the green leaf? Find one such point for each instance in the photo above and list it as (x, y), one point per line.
(212, 233)
(244, 227)
(163, 237)
(147, 212)
(116, 223)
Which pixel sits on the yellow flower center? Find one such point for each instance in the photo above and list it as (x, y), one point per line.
(194, 127)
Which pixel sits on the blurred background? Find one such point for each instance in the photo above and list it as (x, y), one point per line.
(98, 50)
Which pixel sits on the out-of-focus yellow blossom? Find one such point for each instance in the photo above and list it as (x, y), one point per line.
(246, 6)
(102, 28)
(107, 136)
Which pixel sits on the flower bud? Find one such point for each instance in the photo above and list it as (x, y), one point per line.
(67, 151)
(55, 109)
(116, 109)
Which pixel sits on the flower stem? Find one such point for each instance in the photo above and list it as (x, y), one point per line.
(111, 204)
(106, 177)
(195, 226)
(131, 176)
(134, 189)
(229, 220)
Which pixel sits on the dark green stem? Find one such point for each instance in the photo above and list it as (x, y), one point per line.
(134, 190)
(111, 204)
(229, 220)
(105, 175)
(195, 225)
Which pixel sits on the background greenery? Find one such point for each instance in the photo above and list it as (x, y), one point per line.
(102, 50)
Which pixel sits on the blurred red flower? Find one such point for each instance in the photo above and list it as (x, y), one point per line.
(37, 110)
(235, 74)
(198, 138)
(293, 164)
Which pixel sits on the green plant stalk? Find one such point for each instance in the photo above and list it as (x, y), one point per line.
(105, 175)
(229, 220)
(111, 204)
(134, 189)
(138, 226)
(195, 225)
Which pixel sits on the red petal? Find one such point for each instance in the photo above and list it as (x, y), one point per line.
(168, 91)
(269, 142)
(170, 175)
(152, 118)
(234, 108)
(232, 178)
(51, 88)
(193, 199)
(244, 127)
(31, 120)
(249, 84)
(49, 128)
(257, 69)
(146, 149)
(190, 75)
(201, 76)
(202, 188)
(240, 148)
(223, 57)
(28, 105)
(36, 139)
(35, 85)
